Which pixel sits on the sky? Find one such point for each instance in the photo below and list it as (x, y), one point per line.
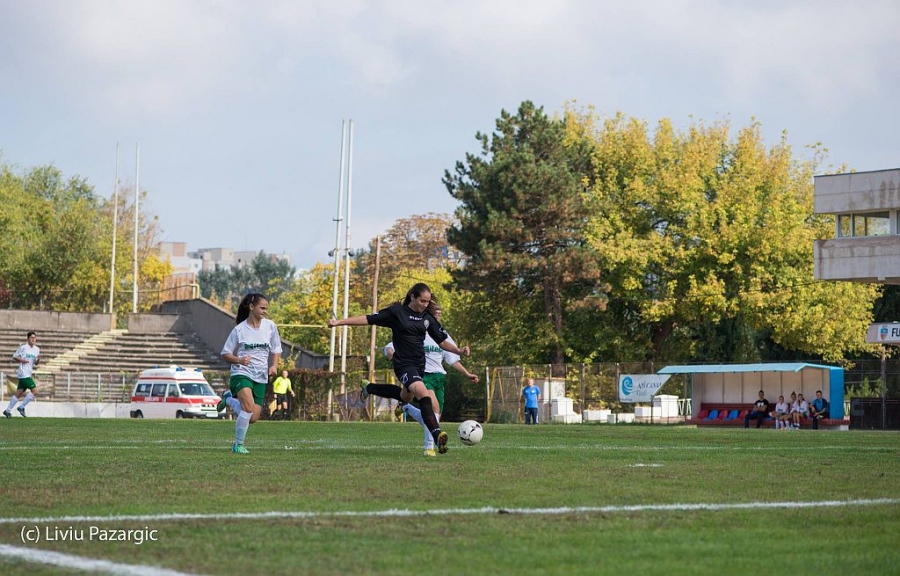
(238, 105)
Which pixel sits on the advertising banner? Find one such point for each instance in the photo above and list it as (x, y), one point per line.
(635, 388)
(884, 333)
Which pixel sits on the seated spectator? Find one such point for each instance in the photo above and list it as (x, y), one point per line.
(759, 412)
(818, 409)
(781, 414)
(799, 410)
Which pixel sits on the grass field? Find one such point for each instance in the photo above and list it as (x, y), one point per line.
(359, 498)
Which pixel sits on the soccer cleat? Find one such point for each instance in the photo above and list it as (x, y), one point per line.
(363, 393)
(222, 403)
(442, 443)
(7, 414)
(400, 411)
(21, 410)
(430, 452)
(239, 449)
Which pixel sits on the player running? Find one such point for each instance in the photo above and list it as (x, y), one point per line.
(27, 356)
(409, 321)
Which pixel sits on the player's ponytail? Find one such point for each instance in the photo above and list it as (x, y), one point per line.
(433, 306)
(244, 307)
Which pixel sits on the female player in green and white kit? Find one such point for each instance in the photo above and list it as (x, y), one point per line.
(253, 349)
(27, 356)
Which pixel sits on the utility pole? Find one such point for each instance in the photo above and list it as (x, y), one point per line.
(374, 308)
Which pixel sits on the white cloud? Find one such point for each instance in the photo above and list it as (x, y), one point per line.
(236, 95)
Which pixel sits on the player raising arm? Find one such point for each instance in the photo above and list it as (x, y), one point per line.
(409, 321)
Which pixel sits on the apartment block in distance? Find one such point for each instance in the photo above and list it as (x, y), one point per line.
(866, 243)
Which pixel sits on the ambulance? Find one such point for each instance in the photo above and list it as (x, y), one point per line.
(173, 393)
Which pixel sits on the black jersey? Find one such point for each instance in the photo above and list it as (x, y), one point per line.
(409, 330)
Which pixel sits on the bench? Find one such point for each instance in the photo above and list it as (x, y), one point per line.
(704, 418)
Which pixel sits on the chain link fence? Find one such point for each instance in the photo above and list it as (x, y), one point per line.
(499, 399)
(594, 386)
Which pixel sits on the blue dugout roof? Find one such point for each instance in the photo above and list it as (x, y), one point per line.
(738, 368)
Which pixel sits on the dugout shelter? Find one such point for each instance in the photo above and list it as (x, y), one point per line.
(713, 384)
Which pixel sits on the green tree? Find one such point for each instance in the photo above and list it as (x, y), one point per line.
(303, 309)
(706, 242)
(265, 274)
(521, 223)
(57, 241)
(216, 285)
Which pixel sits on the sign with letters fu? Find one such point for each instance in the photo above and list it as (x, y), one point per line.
(640, 387)
(885, 333)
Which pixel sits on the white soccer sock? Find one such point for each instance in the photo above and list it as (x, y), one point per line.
(413, 413)
(233, 403)
(429, 437)
(416, 415)
(28, 398)
(12, 403)
(241, 425)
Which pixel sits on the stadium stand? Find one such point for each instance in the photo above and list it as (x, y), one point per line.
(78, 365)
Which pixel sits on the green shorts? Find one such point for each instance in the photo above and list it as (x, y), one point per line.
(239, 382)
(434, 381)
(26, 384)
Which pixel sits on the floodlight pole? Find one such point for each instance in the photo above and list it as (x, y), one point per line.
(137, 201)
(347, 262)
(112, 263)
(336, 252)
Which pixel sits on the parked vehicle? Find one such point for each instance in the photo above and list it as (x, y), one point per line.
(173, 392)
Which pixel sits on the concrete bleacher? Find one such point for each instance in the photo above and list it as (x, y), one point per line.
(120, 352)
(132, 353)
(83, 359)
(51, 342)
(80, 365)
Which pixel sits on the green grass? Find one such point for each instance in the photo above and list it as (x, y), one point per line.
(52, 468)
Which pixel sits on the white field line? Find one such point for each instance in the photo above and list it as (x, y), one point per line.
(321, 445)
(687, 507)
(78, 563)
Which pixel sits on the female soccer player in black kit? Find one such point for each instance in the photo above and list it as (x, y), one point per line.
(409, 321)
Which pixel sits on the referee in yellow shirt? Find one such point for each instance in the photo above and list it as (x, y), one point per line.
(283, 391)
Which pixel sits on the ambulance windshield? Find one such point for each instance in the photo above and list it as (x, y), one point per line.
(195, 389)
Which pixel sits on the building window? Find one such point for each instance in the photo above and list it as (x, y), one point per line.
(845, 226)
(873, 224)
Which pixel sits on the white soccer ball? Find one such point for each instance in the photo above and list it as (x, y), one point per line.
(470, 432)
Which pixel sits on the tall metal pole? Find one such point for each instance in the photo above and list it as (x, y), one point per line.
(337, 262)
(337, 244)
(347, 262)
(137, 222)
(374, 308)
(883, 387)
(112, 264)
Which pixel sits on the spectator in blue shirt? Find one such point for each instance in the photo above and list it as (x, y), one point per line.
(532, 395)
(818, 408)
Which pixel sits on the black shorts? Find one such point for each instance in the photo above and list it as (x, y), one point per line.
(406, 375)
(281, 398)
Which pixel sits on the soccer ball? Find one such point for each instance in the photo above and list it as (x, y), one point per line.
(470, 432)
